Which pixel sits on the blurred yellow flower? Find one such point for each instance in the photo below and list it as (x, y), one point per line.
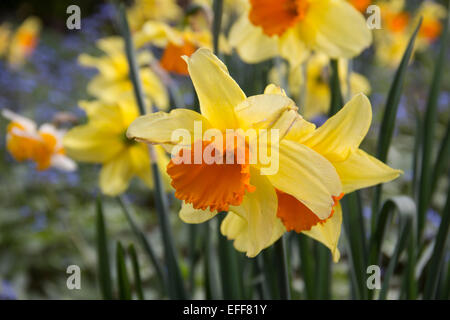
(175, 43)
(23, 41)
(102, 140)
(398, 25)
(113, 82)
(43, 146)
(317, 96)
(432, 14)
(146, 10)
(291, 28)
(302, 195)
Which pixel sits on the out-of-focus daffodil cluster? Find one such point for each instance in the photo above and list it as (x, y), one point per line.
(397, 25)
(43, 146)
(18, 45)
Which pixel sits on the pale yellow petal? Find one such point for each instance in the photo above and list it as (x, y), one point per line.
(235, 228)
(190, 215)
(361, 170)
(340, 30)
(343, 132)
(306, 175)
(258, 210)
(116, 174)
(217, 92)
(161, 127)
(292, 48)
(328, 233)
(261, 111)
(251, 43)
(97, 144)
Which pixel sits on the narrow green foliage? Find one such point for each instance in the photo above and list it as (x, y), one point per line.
(136, 272)
(426, 173)
(282, 269)
(123, 282)
(437, 259)
(389, 115)
(336, 95)
(104, 269)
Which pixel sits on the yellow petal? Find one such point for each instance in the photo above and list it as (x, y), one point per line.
(116, 174)
(217, 92)
(340, 30)
(97, 144)
(306, 175)
(343, 132)
(258, 210)
(251, 43)
(260, 111)
(328, 233)
(235, 228)
(190, 215)
(292, 48)
(154, 88)
(361, 170)
(158, 127)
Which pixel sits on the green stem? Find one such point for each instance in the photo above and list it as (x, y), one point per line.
(283, 273)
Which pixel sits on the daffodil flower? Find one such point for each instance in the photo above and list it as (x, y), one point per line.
(24, 41)
(292, 28)
(112, 82)
(153, 10)
(102, 140)
(176, 43)
(317, 96)
(316, 166)
(43, 146)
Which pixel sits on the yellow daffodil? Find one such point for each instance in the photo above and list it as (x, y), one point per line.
(102, 140)
(176, 43)
(42, 146)
(291, 28)
(155, 10)
(24, 41)
(315, 166)
(112, 83)
(432, 13)
(317, 96)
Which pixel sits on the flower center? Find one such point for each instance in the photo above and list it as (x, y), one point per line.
(19, 145)
(171, 59)
(276, 16)
(209, 185)
(431, 29)
(295, 215)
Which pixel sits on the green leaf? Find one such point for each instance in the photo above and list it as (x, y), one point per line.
(406, 209)
(323, 271)
(123, 283)
(442, 160)
(336, 95)
(355, 234)
(217, 22)
(228, 265)
(136, 272)
(148, 249)
(132, 64)
(437, 259)
(282, 269)
(177, 290)
(104, 269)
(389, 115)
(212, 282)
(426, 173)
(307, 265)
